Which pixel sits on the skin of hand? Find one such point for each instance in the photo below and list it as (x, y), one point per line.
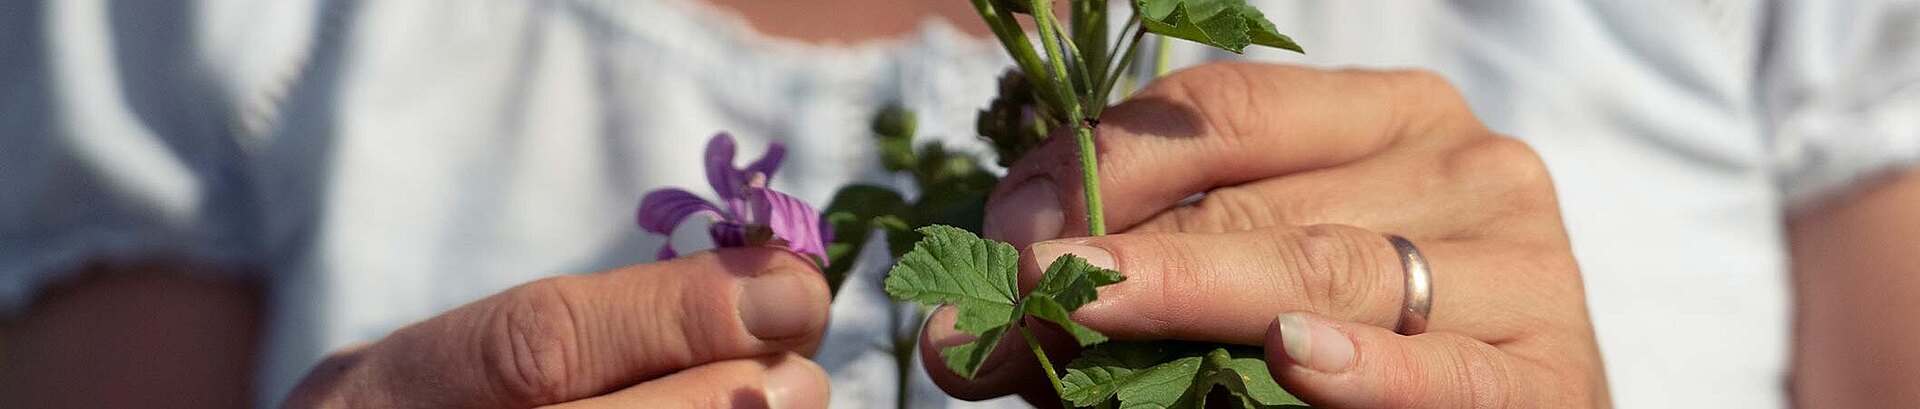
(721, 329)
(1303, 171)
(1857, 284)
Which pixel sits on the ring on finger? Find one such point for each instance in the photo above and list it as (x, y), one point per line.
(1418, 304)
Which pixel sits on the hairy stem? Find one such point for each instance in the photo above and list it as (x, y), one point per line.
(1126, 59)
(1090, 178)
(1082, 130)
(1076, 61)
(1115, 51)
(1056, 54)
(1090, 34)
(1045, 364)
(1011, 36)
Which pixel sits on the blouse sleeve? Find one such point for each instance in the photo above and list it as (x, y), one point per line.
(1842, 84)
(115, 145)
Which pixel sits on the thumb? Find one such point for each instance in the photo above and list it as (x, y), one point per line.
(1333, 364)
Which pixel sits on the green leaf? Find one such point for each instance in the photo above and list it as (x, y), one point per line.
(1172, 374)
(854, 213)
(1231, 25)
(893, 130)
(953, 190)
(1242, 370)
(977, 276)
(900, 241)
(965, 359)
(1068, 284)
(1072, 282)
(895, 121)
(1050, 310)
(980, 278)
(1140, 374)
(896, 154)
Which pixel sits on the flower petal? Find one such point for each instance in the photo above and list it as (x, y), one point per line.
(792, 221)
(769, 162)
(666, 251)
(721, 174)
(664, 209)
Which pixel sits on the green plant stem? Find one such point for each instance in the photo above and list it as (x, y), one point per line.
(1076, 61)
(1163, 57)
(1115, 51)
(1090, 35)
(1045, 364)
(1119, 70)
(903, 357)
(1082, 130)
(1090, 178)
(1056, 54)
(1011, 36)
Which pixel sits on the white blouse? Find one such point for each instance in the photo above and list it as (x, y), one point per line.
(383, 161)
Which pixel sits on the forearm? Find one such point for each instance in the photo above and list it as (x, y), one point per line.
(152, 336)
(1857, 278)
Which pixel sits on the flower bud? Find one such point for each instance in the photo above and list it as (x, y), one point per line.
(1012, 122)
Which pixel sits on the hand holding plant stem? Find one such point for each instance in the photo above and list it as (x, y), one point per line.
(977, 276)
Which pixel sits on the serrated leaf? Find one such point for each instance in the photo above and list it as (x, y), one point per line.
(1242, 371)
(965, 359)
(977, 276)
(1142, 374)
(1072, 282)
(1069, 283)
(1172, 374)
(1050, 310)
(1230, 25)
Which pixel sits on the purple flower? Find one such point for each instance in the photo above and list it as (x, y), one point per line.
(748, 214)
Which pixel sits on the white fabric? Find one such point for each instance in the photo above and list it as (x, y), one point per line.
(384, 161)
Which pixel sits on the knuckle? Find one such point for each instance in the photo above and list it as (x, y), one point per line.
(1423, 82)
(1505, 166)
(1220, 94)
(1223, 210)
(1482, 375)
(1339, 266)
(531, 341)
(1428, 98)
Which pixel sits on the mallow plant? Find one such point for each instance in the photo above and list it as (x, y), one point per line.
(1067, 70)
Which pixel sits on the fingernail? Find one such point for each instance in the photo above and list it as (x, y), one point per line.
(939, 328)
(1314, 345)
(780, 305)
(1030, 214)
(940, 335)
(791, 384)
(1046, 252)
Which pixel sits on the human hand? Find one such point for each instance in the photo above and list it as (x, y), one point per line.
(1304, 171)
(727, 328)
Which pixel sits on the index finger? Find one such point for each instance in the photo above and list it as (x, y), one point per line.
(1219, 125)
